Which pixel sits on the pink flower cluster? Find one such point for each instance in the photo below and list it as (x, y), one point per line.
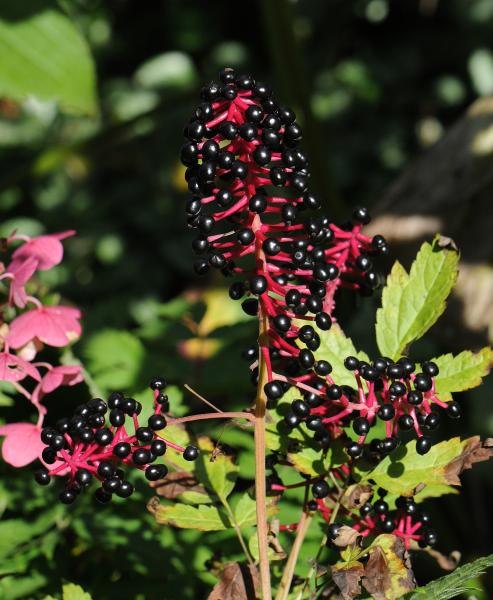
(23, 337)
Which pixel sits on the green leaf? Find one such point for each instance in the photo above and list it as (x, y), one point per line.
(17, 588)
(246, 509)
(218, 474)
(203, 518)
(401, 472)
(388, 315)
(412, 303)
(44, 55)
(219, 312)
(454, 584)
(335, 347)
(114, 358)
(462, 372)
(74, 592)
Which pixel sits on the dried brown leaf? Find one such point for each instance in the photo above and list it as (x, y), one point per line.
(346, 536)
(356, 495)
(388, 573)
(175, 483)
(237, 581)
(348, 580)
(474, 451)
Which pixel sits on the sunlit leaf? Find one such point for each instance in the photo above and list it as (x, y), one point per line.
(44, 55)
(412, 303)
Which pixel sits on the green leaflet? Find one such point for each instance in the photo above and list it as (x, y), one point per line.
(454, 584)
(203, 518)
(335, 347)
(401, 472)
(412, 303)
(74, 592)
(245, 510)
(464, 371)
(44, 55)
(114, 358)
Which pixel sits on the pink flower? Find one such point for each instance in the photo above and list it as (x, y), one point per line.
(47, 249)
(52, 325)
(22, 443)
(19, 273)
(14, 368)
(54, 378)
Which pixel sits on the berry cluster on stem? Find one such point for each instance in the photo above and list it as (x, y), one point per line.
(85, 448)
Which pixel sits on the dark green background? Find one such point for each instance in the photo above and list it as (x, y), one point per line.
(373, 83)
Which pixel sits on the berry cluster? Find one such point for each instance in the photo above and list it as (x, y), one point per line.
(391, 391)
(407, 521)
(85, 447)
(249, 182)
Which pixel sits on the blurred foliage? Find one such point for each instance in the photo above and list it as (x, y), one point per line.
(374, 82)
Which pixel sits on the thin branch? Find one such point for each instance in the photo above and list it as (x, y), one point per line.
(201, 398)
(287, 576)
(259, 437)
(206, 416)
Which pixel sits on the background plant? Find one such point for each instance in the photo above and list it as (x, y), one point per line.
(59, 169)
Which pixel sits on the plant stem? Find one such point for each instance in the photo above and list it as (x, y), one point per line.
(287, 576)
(260, 489)
(323, 543)
(205, 416)
(239, 535)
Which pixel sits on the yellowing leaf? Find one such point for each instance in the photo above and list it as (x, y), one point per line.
(388, 573)
(412, 303)
(401, 472)
(199, 348)
(220, 312)
(462, 372)
(74, 592)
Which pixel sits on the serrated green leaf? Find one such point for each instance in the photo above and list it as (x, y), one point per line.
(114, 358)
(462, 372)
(335, 347)
(454, 584)
(388, 314)
(44, 55)
(203, 517)
(410, 306)
(195, 498)
(74, 592)
(402, 471)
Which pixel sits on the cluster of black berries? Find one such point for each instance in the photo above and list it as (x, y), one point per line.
(249, 184)
(390, 391)
(94, 443)
(408, 521)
